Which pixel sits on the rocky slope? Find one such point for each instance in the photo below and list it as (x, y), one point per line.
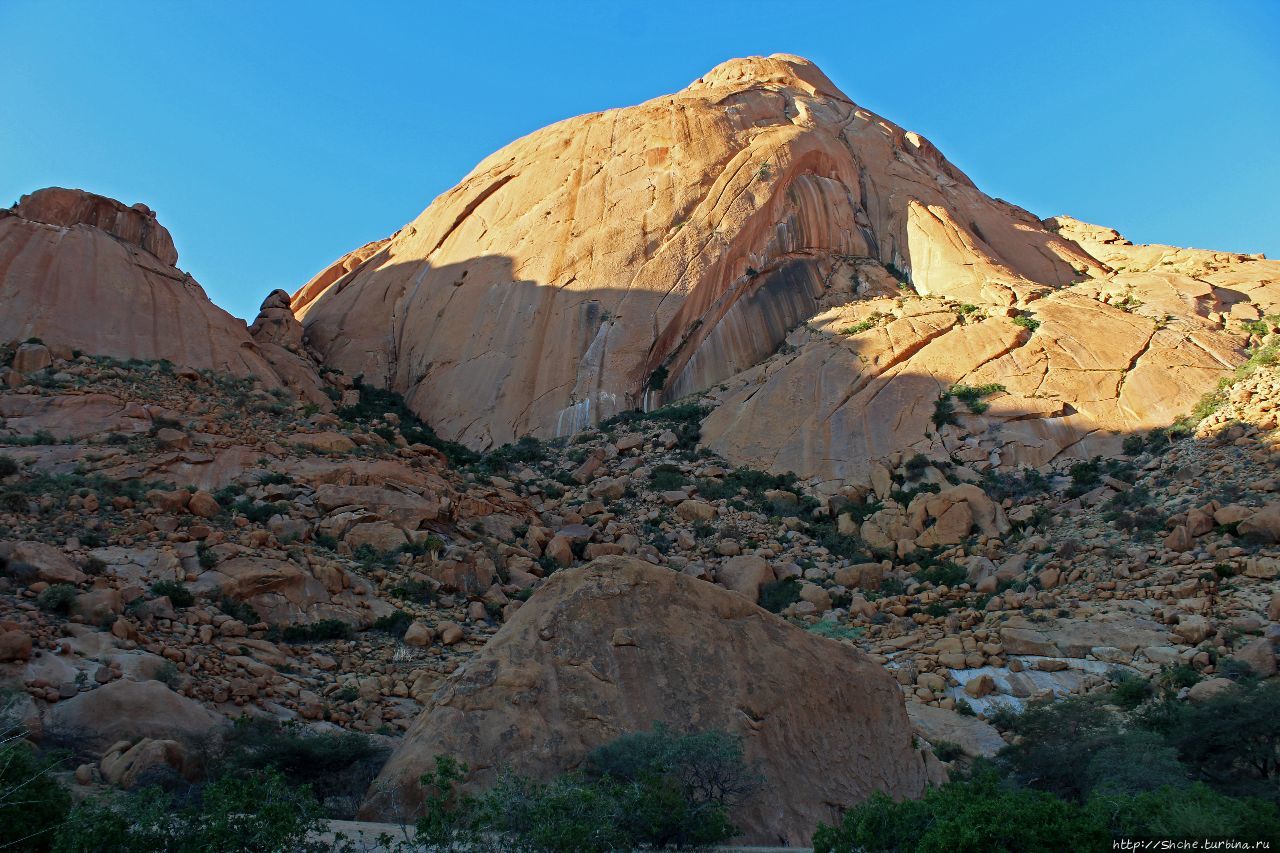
(624, 258)
(302, 532)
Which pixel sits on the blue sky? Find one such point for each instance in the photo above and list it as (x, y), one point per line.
(273, 137)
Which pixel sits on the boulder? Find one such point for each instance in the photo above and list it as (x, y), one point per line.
(50, 564)
(936, 725)
(15, 645)
(618, 645)
(1209, 688)
(1192, 628)
(745, 575)
(32, 357)
(129, 710)
(381, 536)
(419, 635)
(691, 510)
(1264, 524)
(323, 442)
(203, 504)
(1260, 655)
(124, 764)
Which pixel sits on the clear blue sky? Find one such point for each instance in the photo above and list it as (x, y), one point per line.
(273, 137)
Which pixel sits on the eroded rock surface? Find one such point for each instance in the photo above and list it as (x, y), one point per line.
(663, 246)
(619, 645)
(83, 272)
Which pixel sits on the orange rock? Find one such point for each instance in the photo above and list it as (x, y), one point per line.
(679, 239)
(618, 645)
(85, 272)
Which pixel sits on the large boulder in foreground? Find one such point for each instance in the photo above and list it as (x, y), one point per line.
(618, 645)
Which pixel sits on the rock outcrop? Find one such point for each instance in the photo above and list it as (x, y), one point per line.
(618, 645)
(631, 257)
(278, 335)
(644, 253)
(84, 272)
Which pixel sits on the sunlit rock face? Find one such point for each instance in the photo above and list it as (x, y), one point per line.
(683, 237)
(823, 275)
(84, 272)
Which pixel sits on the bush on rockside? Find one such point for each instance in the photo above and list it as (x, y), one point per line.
(650, 790)
(1081, 773)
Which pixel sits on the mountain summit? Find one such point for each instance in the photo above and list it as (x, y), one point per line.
(665, 247)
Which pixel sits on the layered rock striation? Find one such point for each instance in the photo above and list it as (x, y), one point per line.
(636, 255)
(83, 272)
(822, 276)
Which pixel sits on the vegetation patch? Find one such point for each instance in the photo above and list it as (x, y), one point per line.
(317, 632)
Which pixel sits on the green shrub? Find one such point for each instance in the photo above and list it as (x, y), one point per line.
(974, 816)
(651, 790)
(205, 556)
(7, 466)
(1130, 691)
(431, 544)
(1074, 748)
(1232, 740)
(1265, 356)
(1087, 475)
(667, 478)
(1019, 484)
(259, 512)
(376, 402)
(239, 610)
(417, 591)
(178, 593)
(945, 750)
(875, 319)
(449, 820)
(566, 815)
(57, 598)
(317, 632)
(971, 395)
(777, 596)
(338, 766)
(684, 413)
(32, 802)
(833, 630)
(395, 624)
(947, 573)
(167, 674)
(1056, 742)
(916, 465)
(1187, 812)
(943, 412)
(254, 811)
(13, 502)
(527, 451)
(748, 483)
(1026, 322)
(1133, 444)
